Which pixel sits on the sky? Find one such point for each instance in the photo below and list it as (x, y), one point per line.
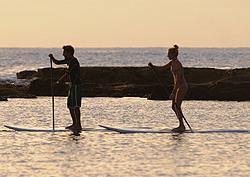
(125, 23)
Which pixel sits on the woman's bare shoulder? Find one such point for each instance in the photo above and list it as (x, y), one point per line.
(178, 65)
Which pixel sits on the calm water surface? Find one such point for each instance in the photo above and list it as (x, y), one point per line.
(104, 153)
(13, 60)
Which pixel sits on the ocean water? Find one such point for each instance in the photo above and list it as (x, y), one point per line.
(13, 60)
(100, 152)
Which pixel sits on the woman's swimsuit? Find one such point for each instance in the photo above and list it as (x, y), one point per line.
(182, 85)
(174, 73)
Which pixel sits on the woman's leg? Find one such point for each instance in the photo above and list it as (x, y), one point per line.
(181, 92)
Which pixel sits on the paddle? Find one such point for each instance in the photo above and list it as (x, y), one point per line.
(52, 93)
(169, 95)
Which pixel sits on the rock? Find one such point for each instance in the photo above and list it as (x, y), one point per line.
(12, 91)
(204, 75)
(41, 87)
(159, 93)
(25, 74)
(230, 91)
(204, 83)
(3, 99)
(45, 73)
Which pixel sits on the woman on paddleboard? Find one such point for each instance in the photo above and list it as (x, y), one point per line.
(180, 85)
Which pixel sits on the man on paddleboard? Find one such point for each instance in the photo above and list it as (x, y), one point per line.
(75, 92)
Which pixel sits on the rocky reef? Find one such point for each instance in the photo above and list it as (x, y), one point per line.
(204, 83)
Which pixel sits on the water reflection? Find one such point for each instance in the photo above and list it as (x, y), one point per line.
(177, 136)
(76, 136)
(176, 140)
(66, 137)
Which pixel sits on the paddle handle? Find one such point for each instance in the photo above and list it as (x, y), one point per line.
(52, 94)
(151, 66)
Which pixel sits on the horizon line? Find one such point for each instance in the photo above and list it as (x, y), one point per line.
(124, 47)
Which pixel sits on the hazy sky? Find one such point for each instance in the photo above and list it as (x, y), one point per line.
(125, 23)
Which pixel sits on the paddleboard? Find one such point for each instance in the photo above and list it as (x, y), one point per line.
(42, 130)
(169, 131)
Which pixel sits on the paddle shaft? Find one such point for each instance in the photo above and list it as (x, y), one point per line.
(52, 93)
(179, 109)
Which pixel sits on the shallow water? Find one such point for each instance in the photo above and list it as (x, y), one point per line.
(103, 153)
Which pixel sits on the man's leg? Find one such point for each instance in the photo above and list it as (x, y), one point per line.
(74, 100)
(76, 117)
(72, 113)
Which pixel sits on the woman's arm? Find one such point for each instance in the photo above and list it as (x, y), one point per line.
(161, 68)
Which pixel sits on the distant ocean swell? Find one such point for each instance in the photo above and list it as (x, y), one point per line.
(14, 60)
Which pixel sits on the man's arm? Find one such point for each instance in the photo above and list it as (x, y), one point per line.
(63, 78)
(55, 60)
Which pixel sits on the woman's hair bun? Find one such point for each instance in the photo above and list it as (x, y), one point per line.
(176, 46)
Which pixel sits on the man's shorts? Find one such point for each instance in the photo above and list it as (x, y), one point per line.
(75, 96)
